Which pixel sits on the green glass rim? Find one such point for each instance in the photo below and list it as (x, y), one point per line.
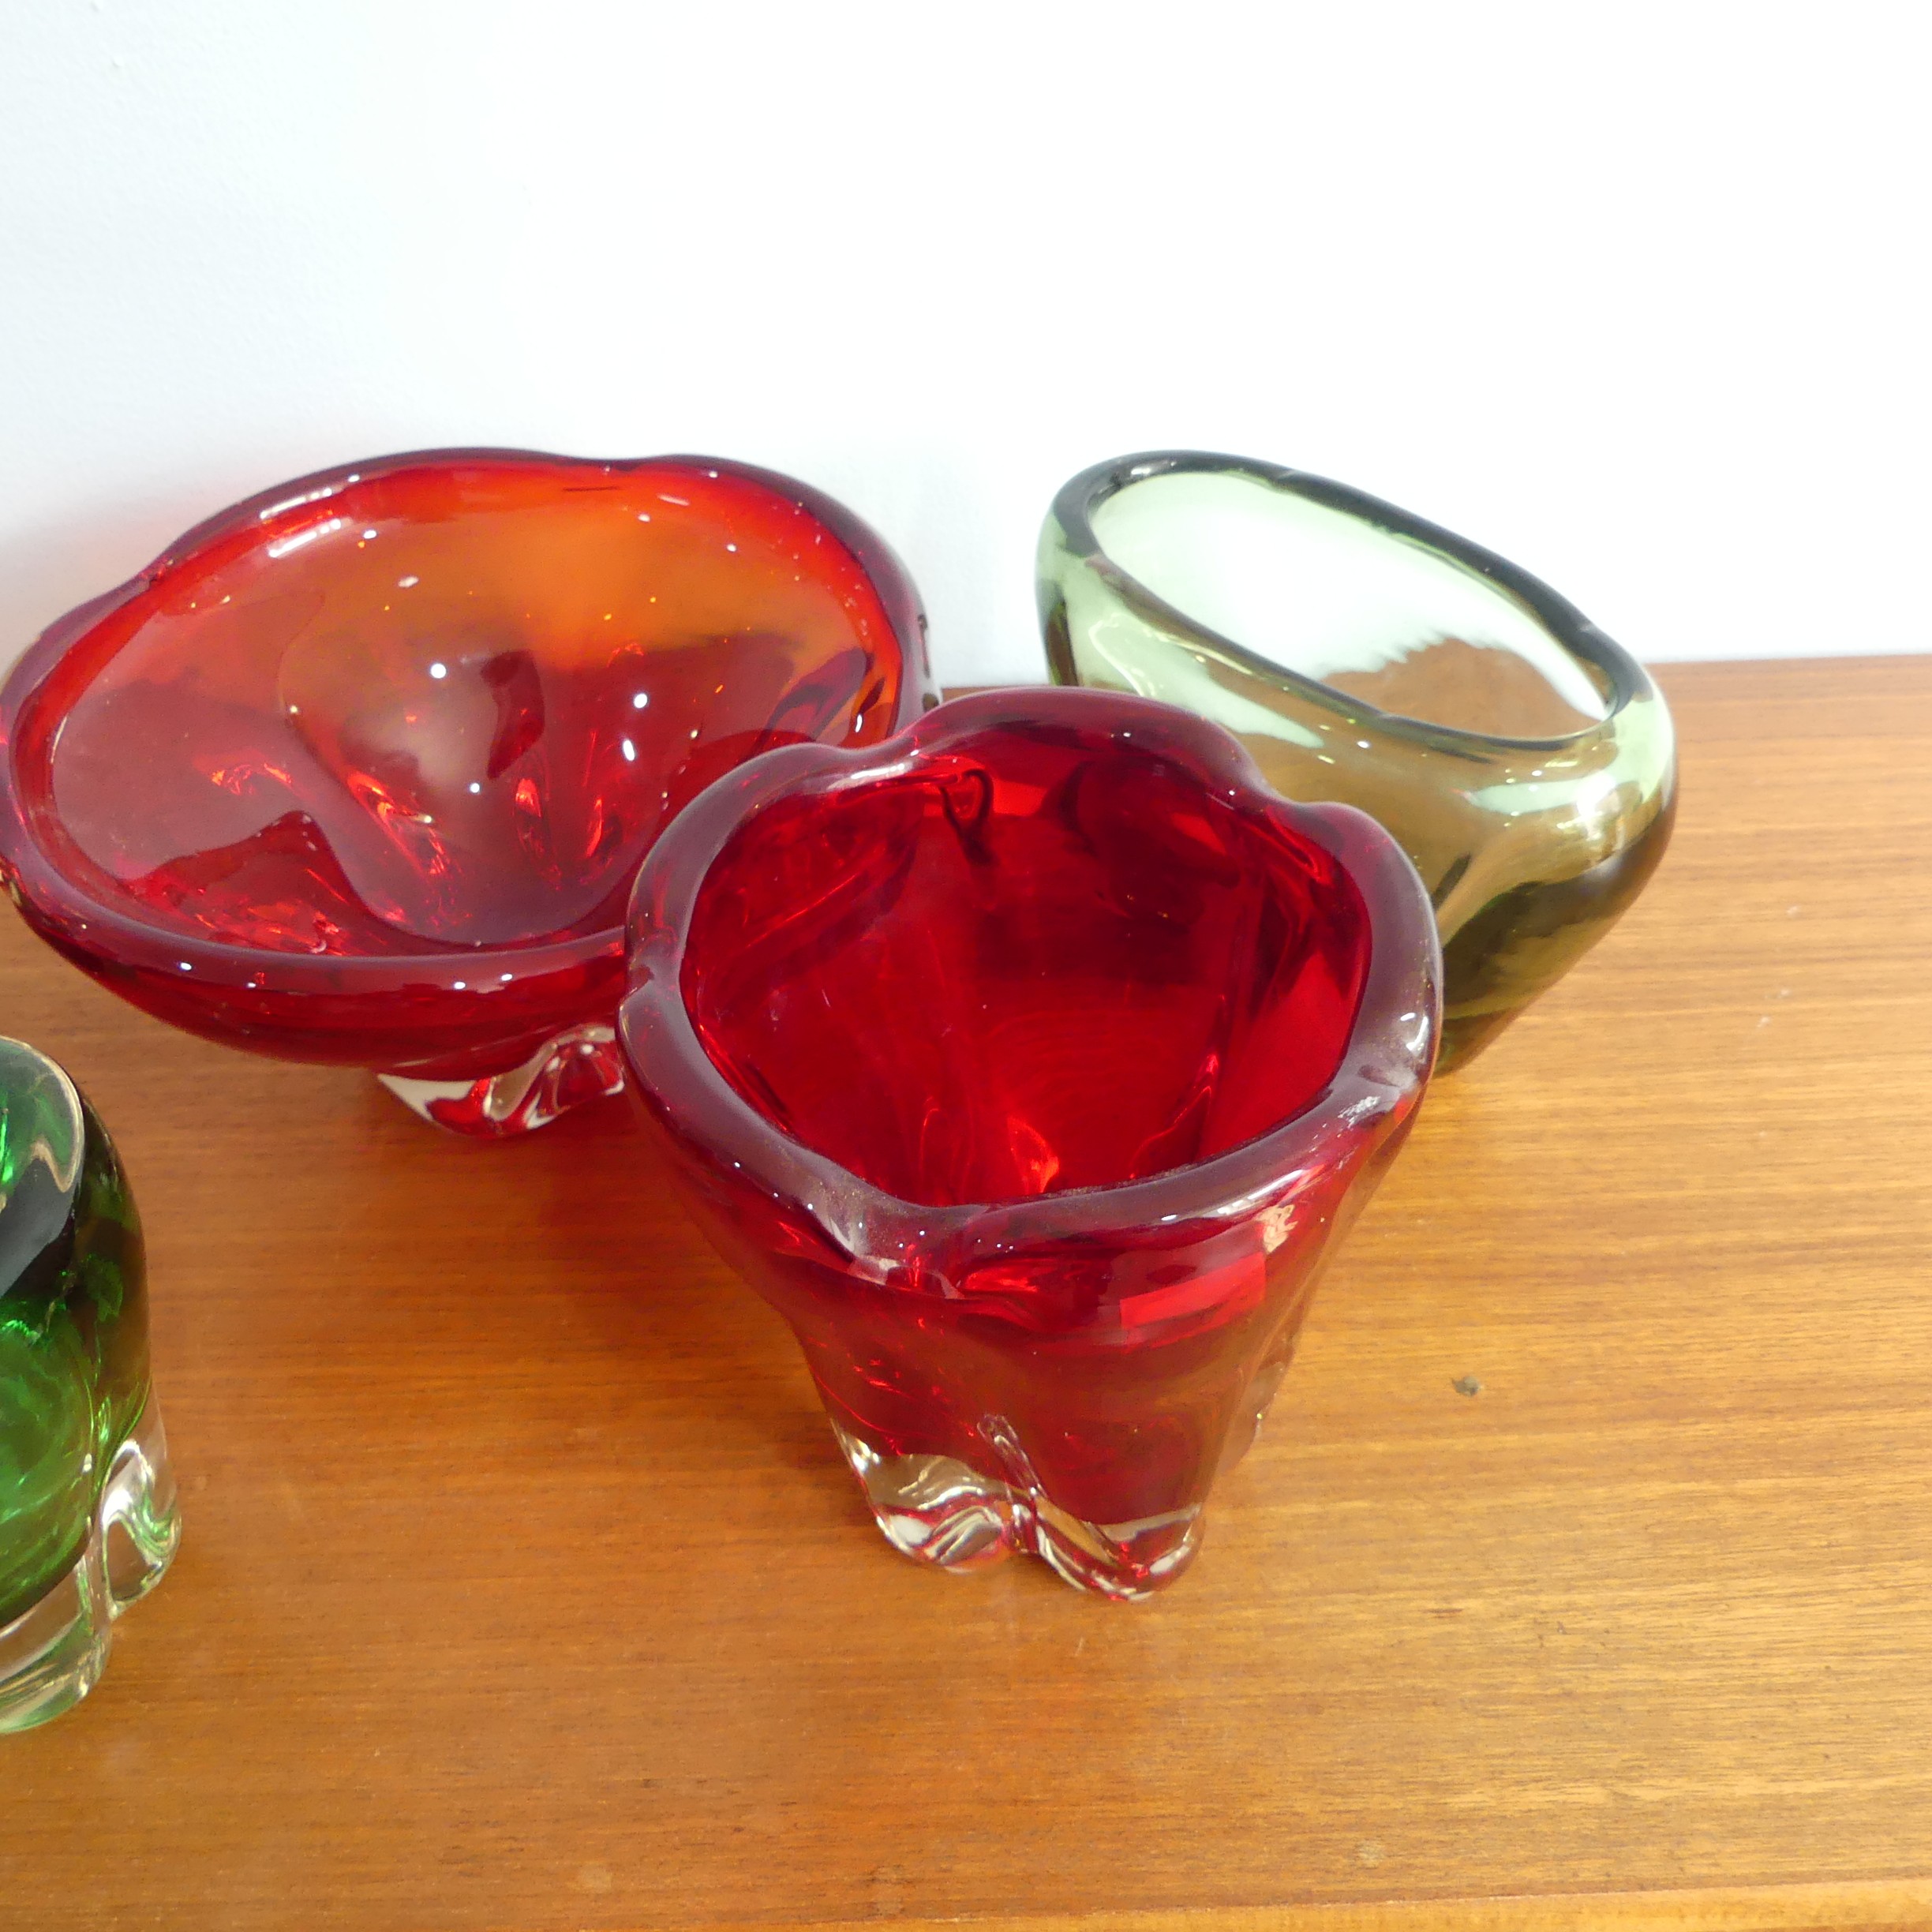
(65, 1161)
(1622, 680)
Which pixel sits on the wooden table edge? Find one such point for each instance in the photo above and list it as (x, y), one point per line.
(1850, 1907)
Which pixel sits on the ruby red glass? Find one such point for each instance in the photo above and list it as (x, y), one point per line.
(1030, 1064)
(362, 770)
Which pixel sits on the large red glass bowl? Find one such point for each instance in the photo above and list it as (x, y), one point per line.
(361, 770)
(1030, 1065)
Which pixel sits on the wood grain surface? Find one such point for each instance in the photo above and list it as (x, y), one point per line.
(522, 1587)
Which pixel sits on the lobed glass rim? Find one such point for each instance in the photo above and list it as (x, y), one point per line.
(1081, 495)
(1381, 1076)
(45, 891)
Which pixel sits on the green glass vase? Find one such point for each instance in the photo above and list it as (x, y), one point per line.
(1524, 762)
(87, 1521)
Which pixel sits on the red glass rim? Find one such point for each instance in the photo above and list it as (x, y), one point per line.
(1382, 1069)
(274, 514)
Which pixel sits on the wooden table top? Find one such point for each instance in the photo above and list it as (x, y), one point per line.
(522, 1586)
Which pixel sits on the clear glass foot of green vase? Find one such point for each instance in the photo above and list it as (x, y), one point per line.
(52, 1653)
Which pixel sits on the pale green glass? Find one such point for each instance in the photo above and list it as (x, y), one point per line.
(1524, 762)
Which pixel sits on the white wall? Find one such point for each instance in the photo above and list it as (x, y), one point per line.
(1635, 293)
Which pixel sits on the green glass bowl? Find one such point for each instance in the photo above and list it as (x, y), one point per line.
(1524, 762)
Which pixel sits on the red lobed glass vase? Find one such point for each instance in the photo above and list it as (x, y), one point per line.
(1031, 1065)
(361, 770)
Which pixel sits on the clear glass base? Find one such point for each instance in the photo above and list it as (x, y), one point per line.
(938, 1509)
(52, 1654)
(579, 1065)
